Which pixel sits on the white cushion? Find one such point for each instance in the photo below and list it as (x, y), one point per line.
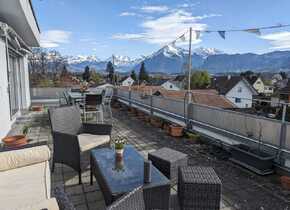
(88, 141)
(24, 186)
(49, 204)
(23, 157)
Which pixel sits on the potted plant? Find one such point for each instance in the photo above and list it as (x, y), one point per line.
(193, 136)
(156, 122)
(253, 158)
(176, 130)
(119, 146)
(17, 140)
(37, 108)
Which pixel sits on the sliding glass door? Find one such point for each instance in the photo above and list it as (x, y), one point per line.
(14, 83)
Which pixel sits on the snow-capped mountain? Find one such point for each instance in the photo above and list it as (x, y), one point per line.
(205, 52)
(172, 59)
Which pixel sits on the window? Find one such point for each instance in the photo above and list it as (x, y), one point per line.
(239, 89)
(238, 100)
(171, 86)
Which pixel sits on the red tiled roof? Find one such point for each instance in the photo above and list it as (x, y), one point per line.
(209, 97)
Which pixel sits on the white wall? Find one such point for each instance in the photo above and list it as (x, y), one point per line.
(128, 82)
(5, 122)
(243, 95)
(259, 85)
(170, 86)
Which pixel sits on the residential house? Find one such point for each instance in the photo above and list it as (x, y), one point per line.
(180, 81)
(236, 89)
(19, 32)
(127, 81)
(170, 85)
(284, 93)
(259, 85)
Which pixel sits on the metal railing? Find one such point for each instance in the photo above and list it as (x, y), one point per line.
(272, 134)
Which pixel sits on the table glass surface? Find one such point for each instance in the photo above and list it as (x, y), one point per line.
(124, 175)
(79, 95)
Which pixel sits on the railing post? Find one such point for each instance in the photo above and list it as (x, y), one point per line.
(282, 132)
(151, 104)
(130, 103)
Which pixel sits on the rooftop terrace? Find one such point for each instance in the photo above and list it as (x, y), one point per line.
(241, 189)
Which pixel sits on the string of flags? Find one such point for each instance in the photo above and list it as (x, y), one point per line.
(222, 33)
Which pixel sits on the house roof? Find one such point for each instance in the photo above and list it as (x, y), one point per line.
(179, 78)
(252, 79)
(207, 97)
(286, 89)
(158, 82)
(223, 84)
(124, 78)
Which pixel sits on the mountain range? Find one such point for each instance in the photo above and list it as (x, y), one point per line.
(171, 60)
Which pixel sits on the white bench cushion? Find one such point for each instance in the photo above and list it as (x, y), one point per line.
(49, 204)
(88, 141)
(23, 157)
(24, 186)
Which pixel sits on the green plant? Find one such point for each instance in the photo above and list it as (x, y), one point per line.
(193, 136)
(25, 129)
(120, 142)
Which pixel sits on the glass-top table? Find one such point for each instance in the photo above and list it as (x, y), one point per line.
(117, 176)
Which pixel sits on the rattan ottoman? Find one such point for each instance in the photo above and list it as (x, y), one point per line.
(168, 161)
(198, 188)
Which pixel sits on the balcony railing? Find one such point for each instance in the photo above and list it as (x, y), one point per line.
(225, 127)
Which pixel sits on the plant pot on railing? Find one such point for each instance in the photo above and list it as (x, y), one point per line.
(176, 130)
(285, 182)
(166, 127)
(156, 122)
(37, 108)
(253, 159)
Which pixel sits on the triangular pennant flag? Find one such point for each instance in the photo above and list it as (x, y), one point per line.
(183, 38)
(197, 35)
(222, 34)
(254, 31)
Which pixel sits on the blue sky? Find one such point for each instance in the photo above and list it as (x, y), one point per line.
(138, 27)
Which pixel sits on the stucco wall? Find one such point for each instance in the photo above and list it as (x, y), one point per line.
(170, 86)
(5, 122)
(245, 95)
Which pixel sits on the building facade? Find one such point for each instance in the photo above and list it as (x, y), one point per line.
(18, 33)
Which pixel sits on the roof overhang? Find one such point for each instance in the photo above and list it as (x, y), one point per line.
(19, 15)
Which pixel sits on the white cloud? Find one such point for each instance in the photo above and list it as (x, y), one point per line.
(53, 38)
(279, 40)
(128, 14)
(166, 28)
(152, 9)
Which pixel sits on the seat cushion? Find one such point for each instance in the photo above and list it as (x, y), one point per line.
(24, 186)
(49, 204)
(88, 141)
(23, 157)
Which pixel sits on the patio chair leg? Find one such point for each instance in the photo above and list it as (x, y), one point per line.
(91, 177)
(52, 167)
(80, 177)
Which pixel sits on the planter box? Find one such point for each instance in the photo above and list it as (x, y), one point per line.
(256, 161)
(176, 130)
(156, 122)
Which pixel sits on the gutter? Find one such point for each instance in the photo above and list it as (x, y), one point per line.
(34, 15)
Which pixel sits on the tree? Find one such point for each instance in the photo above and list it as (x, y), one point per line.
(86, 75)
(96, 77)
(110, 69)
(143, 76)
(133, 75)
(283, 74)
(200, 80)
(247, 74)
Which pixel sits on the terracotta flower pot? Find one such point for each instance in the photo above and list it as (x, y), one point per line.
(176, 130)
(166, 128)
(285, 182)
(37, 108)
(15, 141)
(156, 122)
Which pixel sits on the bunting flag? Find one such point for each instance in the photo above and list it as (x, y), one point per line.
(182, 38)
(222, 34)
(197, 34)
(253, 31)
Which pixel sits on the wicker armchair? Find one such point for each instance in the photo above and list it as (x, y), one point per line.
(71, 137)
(131, 201)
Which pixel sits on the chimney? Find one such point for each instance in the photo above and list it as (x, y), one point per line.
(229, 77)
